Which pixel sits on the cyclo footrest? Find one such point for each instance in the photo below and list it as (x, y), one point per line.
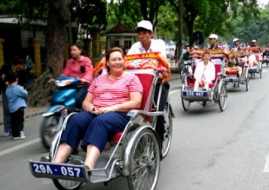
(59, 171)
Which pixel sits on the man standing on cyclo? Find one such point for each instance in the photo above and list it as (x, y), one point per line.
(146, 45)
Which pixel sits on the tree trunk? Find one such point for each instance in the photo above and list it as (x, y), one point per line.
(190, 22)
(58, 19)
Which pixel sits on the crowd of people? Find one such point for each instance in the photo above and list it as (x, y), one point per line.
(204, 72)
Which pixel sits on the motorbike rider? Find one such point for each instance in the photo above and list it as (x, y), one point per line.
(186, 55)
(213, 40)
(80, 67)
(266, 52)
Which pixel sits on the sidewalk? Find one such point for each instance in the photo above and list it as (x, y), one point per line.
(33, 111)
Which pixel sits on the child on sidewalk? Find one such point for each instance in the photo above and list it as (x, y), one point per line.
(16, 103)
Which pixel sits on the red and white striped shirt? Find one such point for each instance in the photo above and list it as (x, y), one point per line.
(108, 92)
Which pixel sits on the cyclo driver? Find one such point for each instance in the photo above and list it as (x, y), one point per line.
(146, 45)
(213, 40)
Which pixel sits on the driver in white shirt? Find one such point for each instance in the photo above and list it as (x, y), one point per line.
(146, 45)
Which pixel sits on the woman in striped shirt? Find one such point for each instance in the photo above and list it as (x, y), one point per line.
(110, 97)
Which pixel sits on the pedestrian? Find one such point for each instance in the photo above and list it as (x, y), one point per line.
(17, 66)
(29, 63)
(16, 95)
(145, 45)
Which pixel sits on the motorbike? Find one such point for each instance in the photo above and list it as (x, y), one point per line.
(266, 60)
(186, 70)
(62, 103)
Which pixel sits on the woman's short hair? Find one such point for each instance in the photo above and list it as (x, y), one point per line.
(79, 47)
(111, 50)
(206, 53)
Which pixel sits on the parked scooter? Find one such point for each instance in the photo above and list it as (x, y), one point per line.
(62, 103)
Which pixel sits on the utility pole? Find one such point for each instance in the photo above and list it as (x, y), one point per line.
(180, 27)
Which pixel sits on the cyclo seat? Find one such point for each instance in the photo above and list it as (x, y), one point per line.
(148, 67)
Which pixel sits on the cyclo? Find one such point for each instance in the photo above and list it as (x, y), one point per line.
(232, 76)
(135, 153)
(217, 92)
(257, 68)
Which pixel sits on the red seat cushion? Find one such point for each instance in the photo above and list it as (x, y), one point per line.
(116, 137)
(146, 81)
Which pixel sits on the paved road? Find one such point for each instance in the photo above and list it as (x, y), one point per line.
(210, 149)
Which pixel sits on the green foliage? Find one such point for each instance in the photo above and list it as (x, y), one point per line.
(167, 23)
(90, 14)
(210, 16)
(129, 12)
(126, 13)
(256, 27)
(30, 9)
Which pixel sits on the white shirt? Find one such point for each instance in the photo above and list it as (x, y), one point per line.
(155, 46)
(208, 72)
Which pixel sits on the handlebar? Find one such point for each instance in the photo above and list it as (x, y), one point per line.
(189, 62)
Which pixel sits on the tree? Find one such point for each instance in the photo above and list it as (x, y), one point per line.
(57, 13)
(210, 16)
(148, 9)
(90, 15)
(58, 18)
(125, 14)
(253, 28)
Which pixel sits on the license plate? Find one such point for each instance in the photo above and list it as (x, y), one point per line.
(232, 79)
(194, 93)
(61, 170)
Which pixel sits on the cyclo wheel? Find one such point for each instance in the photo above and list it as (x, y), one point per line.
(48, 130)
(144, 161)
(66, 184)
(185, 104)
(168, 131)
(247, 79)
(222, 95)
(62, 184)
(260, 71)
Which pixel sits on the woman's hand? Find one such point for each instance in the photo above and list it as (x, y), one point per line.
(84, 81)
(106, 109)
(89, 107)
